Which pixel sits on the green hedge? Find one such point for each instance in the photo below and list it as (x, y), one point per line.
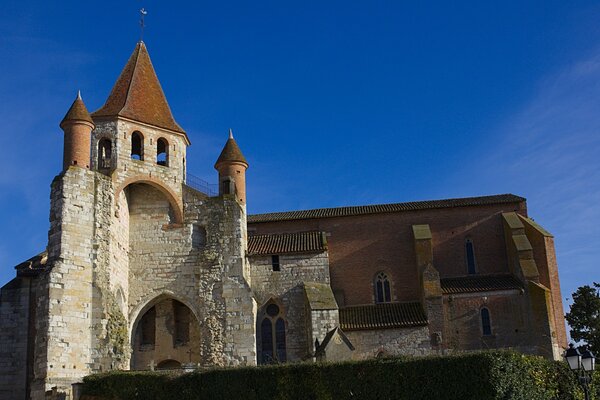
(479, 376)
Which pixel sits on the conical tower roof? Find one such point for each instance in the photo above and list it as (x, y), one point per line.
(77, 112)
(231, 152)
(137, 94)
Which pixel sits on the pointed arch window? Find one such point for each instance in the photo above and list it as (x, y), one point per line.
(272, 336)
(162, 152)
(486, 323)
(383, 290)
(470, 254)
(137, 146)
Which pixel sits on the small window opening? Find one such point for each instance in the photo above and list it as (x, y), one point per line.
(104, 153)
(226, 188)
(486, 326)
(148, 326)
(275, 263)
(182, 323)
(198, 237)
(162, 152)
(470, 256)
(383, 291)
(137, 146)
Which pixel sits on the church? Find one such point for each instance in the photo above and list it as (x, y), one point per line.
(146, 269)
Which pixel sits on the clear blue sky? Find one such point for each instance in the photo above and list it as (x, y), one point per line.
(333, 103)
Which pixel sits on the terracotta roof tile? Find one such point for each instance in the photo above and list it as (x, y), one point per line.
(384, 208)
(382, 316)
(77, 112)
(231, 153)
(137, 94)
(479, 283)
(300, 242)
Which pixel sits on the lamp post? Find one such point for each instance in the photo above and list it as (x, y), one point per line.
(583, 363)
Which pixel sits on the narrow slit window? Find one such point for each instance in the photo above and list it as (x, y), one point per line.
(470, 256)
(137, 146)
(486, 326)
(275, 263)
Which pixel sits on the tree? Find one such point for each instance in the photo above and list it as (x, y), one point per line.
(584, 316)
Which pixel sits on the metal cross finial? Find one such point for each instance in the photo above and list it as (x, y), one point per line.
(143, 13)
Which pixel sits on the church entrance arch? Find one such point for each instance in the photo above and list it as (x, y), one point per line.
(165, 332)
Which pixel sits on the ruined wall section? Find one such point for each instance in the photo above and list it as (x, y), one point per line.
(286, 287)
(390, 342)
(205, 274)
(64, 346)
(15, 312)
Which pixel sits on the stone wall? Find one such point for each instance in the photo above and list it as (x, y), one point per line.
(285, 287)
(390, 342)
(15, 306)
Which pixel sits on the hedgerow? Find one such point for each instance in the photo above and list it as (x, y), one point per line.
(494, 375)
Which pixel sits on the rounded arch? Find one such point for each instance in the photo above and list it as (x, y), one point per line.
(137, 145)
(171, 196)
(150, 301)
(162, 151)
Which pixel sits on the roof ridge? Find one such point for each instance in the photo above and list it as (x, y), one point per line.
(135, 64)
(384, 208)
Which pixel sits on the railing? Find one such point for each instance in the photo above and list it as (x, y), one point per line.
(209, 189)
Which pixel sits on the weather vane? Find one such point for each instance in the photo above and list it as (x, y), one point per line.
(143, 13)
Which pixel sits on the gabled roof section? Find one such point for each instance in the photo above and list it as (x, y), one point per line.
(479, 283)
(34, 266)
(137, 94)
(382, 316)
(286, 243)
(384, 208)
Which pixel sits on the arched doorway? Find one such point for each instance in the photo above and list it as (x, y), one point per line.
(165, 333)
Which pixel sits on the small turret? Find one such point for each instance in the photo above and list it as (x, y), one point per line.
(232, 166)
(77, 125)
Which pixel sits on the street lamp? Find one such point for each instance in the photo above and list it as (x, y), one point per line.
(583, 363)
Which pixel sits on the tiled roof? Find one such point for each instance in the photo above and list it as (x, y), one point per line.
(137, 94)
(77, 112)
(384, 208)
(479, 283)
(300, 242)
(33, 266)
(382, 316)
(231, 152)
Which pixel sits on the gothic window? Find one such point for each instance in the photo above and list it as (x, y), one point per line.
(104, 153)
(272, 336)
(383, 292)
(470, 253)
(148, 331)
(137, 146)
(486, 325)
(162, 152)
(182, 323)
(275, 263)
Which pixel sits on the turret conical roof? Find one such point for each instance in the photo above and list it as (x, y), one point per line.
(77, 112)
(137, 94)
(231, 153)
